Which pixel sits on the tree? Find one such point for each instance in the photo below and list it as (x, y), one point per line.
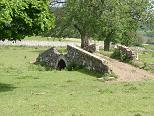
(20, 18)
(62, 28)
(120, 20)
(107, 20)
(139, 15)
(82, 15)
(110, 23)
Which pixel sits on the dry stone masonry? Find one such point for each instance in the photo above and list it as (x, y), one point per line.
(132, 55)
(91, 48)
(54, 59)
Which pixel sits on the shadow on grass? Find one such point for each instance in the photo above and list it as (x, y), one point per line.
(6, 87)
(92, 73)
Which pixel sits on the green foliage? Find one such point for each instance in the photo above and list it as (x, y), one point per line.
(116, 54)
(132, 38)
(120, 55)
(62, 50)
(62, 29)
(110, 20)
(82, 15)
(122, 20)
(20, 18)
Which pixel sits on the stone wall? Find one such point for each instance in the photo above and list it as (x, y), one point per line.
(130, 53)
(49, 57)
(84, 58)
(75, 55)
(91, 48)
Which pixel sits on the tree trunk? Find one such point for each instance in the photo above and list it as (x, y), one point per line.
(84, 37)
(106, 45)
(84, 40)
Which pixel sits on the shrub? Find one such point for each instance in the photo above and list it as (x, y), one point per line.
(116, 54)
(120, 55)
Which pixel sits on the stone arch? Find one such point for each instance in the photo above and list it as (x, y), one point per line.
(61, 63)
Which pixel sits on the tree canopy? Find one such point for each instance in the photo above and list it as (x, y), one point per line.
(20, 18)
(108, 20)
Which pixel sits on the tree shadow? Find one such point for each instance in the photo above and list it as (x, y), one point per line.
(92, 73)
(82, 69)
(6, 87)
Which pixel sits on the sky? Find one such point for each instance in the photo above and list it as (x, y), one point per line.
(54, 4)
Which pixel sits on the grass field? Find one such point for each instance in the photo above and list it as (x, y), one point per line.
(29, 90)
(148, 57)
(149, 47)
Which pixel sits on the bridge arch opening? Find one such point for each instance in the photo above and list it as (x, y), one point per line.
(61, 65)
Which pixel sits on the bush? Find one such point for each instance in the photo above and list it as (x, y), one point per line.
(116, 54)
(120, 55)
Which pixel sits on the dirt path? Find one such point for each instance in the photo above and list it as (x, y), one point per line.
(127, 72)
(38, 43)
(46, 43)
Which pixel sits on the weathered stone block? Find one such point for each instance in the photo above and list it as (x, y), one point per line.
(131, 54)
(91, 48)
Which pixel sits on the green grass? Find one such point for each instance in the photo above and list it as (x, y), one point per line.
(149, 47)
(62, 50)
(147, 57)
(29, 90)
(146, 61)
(106, 53)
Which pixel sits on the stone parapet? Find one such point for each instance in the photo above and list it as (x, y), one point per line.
(53, 58)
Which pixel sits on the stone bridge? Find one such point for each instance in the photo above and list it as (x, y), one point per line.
(54, 59)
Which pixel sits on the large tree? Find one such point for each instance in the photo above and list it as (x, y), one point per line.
(110, 23)
(20, 18)
(82, 15)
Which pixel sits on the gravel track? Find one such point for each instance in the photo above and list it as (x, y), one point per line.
(38, 43)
